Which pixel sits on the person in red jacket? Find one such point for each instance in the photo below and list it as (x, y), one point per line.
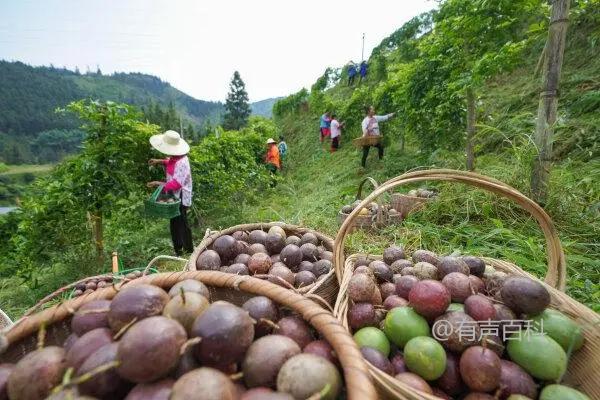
(272, 157)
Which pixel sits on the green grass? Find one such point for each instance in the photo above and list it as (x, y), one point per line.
(35, 169)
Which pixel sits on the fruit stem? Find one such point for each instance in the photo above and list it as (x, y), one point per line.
(87, 376)
(321, 394)
(235, 377)
(182, 294)
(41, 336)
(270, 323)
(124, 329)
(189, 343)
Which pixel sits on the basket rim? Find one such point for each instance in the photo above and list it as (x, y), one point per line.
(357, 378)
(556, 272)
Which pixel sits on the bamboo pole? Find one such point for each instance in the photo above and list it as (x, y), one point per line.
(548, 105)
(470, 128)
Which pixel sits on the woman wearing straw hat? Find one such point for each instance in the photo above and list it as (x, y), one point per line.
(179, 182)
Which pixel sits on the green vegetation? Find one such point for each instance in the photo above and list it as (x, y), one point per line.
(47, 243)
(237, 109)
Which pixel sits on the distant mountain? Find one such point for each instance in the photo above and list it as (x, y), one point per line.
(29, 95)
(264, 107)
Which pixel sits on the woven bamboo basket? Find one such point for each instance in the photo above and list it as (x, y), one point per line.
(366, 141)
(233, 288)
(325, 288)
(406, 204)
(364, 221)
(5, 321)
(583, 365)
(117, 276)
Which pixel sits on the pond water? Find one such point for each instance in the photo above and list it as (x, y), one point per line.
(6, 210)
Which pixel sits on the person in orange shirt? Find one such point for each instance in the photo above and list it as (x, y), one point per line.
(272, 157)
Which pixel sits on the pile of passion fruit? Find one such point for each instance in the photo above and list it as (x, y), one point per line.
(455, 327)
(286, 260)
(147, 343)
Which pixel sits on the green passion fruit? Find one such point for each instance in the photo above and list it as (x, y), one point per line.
(425, 357)
(402, 324)
(373, 337)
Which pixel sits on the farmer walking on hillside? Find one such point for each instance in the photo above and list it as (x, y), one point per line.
(283, 149)
(351, 73)
(363, 71)
(336, 133)
(324, 125)
(178, 182)
(272, 159)
(370, 127)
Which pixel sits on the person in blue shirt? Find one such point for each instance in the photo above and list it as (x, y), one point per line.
(325, 125)
(351, 73)
(363, 70)
(283, 149)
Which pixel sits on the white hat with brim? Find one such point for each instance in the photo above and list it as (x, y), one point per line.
(170, 143)
(270, 140)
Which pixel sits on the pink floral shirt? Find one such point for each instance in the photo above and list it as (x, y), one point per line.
(179, 178)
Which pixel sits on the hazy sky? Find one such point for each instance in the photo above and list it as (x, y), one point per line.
(279, 46)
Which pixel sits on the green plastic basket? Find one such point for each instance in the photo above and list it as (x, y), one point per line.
(161, 210)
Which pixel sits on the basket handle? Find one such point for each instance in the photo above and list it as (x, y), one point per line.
(156, 193)
(372, 181)
(557, 271)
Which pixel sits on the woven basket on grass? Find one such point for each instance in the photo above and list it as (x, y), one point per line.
(326, 287)
(233, 288)
(65, 291)
(364, 221)
(367, 141)
(406, 204)
(583, 365)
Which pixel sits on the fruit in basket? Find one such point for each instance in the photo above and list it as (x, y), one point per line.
(451, 382)
(226, 332)
(561, 328)
(275, 242)
(189, 285)
(387, 289)
(394, 301)
(361, 288)
(208, 260)
(304, 278)
(450, 264)
(277, 229)
(305, 375)
(402, 324)
(425, 357)
(310, 252)
(291, 255)
(309, 237)
(242, 258)
(86, 345)
(424, 270)
(516, 288)
(414, 381)
(425, 256)
(135, 302)
(322, 267)
(459, 286)
(361, 315)
(456, 331)
(480, 369)
(382, 271)
(107, 384)
(264, 359)
(293, 239)
(204, 384)
(281, 275)
(404, 284)
(322, 349)
(225, 246)
(90, 316)
(561, 392)
(185, 308)
(237, 269)
(160, 390)
(398, 265)
(264, 311)
(257, 236)
(37, 373)
(514, 380)
(257, 248)
(377, 359)
(429, 298)
(480, 308)
(296, 329)
(347, 209)
(259, 263)
(476, 265)
(537, 354)
(263, 393)
(393, 253)
(372, 337)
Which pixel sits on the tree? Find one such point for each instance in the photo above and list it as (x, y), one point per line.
(237, 109)
(555, 48)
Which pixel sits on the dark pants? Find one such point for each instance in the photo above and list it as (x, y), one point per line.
(335, 143)
(351, 80)
(366, 153)
(181, 234)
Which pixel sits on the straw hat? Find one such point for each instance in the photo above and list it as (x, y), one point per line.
(270, 140)
(170, 143)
